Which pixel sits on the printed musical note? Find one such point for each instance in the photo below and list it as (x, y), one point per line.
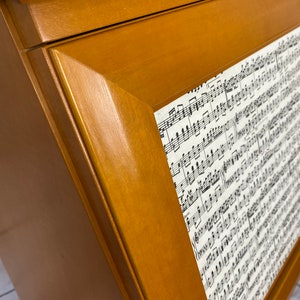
(233, 148)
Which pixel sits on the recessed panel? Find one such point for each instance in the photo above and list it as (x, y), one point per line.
(232, 146)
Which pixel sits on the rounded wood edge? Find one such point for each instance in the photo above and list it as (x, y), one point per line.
(118, 128)
(41, 21)
(285, 29)
(140, 57)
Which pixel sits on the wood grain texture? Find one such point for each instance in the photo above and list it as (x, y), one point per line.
(159, 59)
(47, 242)
(81, 168)
(43, 21)
(113, 82)
(116, 79)
(137, 185)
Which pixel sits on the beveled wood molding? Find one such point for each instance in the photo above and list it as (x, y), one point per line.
(115, 80)
(47, 242)
(41, 21)
(138, 188)
(144, 58)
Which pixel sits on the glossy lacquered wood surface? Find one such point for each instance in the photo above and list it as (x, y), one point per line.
(41, 21)
(161, 58)
(47, 242)
(115, 80)
(138, 190)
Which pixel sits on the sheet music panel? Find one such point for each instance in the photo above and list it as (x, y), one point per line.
(233, 148)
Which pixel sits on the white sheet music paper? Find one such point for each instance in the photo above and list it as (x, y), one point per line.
(233, 148)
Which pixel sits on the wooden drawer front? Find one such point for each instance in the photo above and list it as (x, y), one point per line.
(114, 82)
(45, 21)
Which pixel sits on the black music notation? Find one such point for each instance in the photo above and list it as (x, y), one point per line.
(233, 148)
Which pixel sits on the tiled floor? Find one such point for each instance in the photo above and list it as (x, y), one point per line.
(296, 292)
(7, 291)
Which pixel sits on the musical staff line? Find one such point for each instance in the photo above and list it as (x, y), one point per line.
(233, 149)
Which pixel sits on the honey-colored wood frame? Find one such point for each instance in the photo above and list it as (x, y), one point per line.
(47, 243)
(41, 21)
(113, 81)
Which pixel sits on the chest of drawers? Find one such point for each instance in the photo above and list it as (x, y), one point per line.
(88, 207)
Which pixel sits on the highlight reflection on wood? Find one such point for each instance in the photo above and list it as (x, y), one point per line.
(91, 100)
